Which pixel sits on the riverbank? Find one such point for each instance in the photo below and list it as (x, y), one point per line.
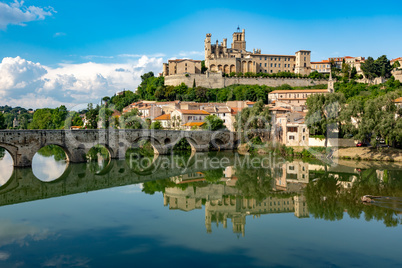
(369, 154)
(346, 153)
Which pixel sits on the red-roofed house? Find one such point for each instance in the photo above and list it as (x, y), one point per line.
(180, 118)
(164, 119)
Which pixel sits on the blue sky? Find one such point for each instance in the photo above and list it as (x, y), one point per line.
(56, 52)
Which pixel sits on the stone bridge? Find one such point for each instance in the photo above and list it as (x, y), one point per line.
(23, 186)
(23, 144)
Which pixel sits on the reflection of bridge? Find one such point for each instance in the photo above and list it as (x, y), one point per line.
(23, 186)
(23, 144)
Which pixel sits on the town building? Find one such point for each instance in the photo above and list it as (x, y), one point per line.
(294, 97)
(321, 66)
(187, 119)
(182, 66)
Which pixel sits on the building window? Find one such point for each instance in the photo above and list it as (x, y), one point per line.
(275, 64)
(265, 65)
(279, 65)
(265, 58)
(291, 137)
(304, 138)
(292, 129)
(279, 58)
(271, 64)
(275, 58)
(304, 130)
(260, 65)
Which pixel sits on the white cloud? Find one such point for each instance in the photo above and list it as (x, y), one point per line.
(16, 13)
(32, 85)
(59, 34)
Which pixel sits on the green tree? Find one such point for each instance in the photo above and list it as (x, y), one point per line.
(42, 119)
(353, 73)
(253, 121)
(59, 116)
(92, 117)
(2, 123)
(396, 65)
(323, 113)
(203, 67)
(213, 122)
(156, 125)
(369, 68)
(383, 67)
(201, 94)
(132, 120)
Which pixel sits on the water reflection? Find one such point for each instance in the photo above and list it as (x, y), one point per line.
(231, 190)
(49, 163)
(98, 158)
(173, 212)
(6, 166)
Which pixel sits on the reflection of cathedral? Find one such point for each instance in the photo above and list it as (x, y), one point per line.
(223, 202)
(237, 208)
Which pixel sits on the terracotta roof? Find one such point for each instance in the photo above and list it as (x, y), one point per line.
(193, 112)
(319, 62)
(250, 102)
(191, 124)
(300, 91)
(397, 59)
(163, 117)
(398, 100)
(279, 109)
(234, 111)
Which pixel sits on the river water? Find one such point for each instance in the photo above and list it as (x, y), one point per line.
(213, 209)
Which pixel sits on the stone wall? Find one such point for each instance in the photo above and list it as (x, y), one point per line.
(215, 80)
(398, 75)
(313, 142)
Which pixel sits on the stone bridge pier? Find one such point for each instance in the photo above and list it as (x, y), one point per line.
(23, 144)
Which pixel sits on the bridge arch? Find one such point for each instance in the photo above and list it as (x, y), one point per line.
(158, 146)
(65, 149)
(12, 150)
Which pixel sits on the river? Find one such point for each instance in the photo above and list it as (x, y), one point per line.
(210, 209)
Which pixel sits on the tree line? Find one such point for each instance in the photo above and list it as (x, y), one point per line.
(364, 112)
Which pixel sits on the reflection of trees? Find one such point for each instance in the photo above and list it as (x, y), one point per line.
(322, 199)
(327, 199)
(2, 153)
(97, 152)
(53, 150)
(254, 183)
(214, 175)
